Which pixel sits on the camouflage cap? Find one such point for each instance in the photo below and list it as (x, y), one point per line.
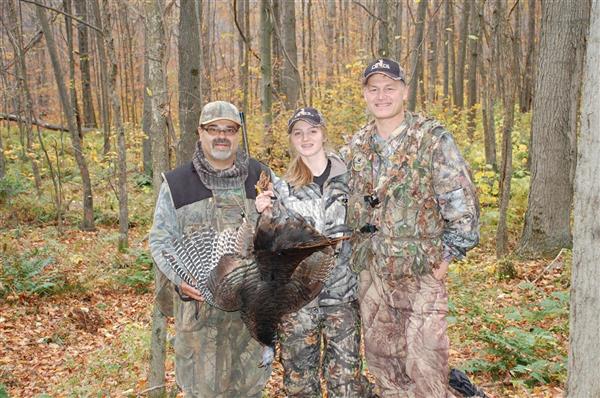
(219, 110)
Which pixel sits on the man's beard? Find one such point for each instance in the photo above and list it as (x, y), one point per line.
(220, 154)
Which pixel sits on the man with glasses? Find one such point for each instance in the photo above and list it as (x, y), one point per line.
(215, 355)
(415, 205)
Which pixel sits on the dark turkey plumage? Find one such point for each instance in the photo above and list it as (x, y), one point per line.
(265, 271)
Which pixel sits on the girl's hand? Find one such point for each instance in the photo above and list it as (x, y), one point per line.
(263, 201)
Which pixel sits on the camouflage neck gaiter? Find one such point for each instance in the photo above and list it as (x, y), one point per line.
(212, 178)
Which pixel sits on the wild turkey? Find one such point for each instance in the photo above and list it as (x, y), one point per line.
(264, 272)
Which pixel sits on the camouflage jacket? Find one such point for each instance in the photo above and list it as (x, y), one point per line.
(327, 211)
(424, 206)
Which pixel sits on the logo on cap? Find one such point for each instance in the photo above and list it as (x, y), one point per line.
(380, 64)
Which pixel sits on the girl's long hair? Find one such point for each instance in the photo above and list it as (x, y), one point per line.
(298, 174)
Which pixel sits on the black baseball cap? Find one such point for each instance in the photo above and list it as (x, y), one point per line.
(385, 66)
(309, 115)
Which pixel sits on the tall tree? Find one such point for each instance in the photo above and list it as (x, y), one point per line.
(156, 88)
(398, 31)
(87, 223)
(474, 46)
(417, 51)
(459, 76)
(266, 29)
(15, 34)
(527, 85)
(290, 78)
(547, 226)
(190, 95)
(102, 66)
(583, 380)
(383, 44)
(432, 53)
(507, 90)
(120, 130)
(89, 117)
(71, 57)
(330, 42)
(448, 42)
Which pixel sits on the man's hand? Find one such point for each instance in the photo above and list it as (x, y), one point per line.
(191, 292)
(440, 272)
(263, 201)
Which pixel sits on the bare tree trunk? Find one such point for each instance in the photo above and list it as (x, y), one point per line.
(266, 25)
(290, 77)
(89, 117)
(417, 61)
(398, 31)
(448, 42)
(156, 87)
(432, 53)
(147, 120)
(383, 44)
(527, 85)
(16, 39)
(451, 54)
(103, 77)
(118, 122)
(87, 223)
(310, 52)
(472, 87)
(553, 148)
(462, 52)
(70, 51)
(206, 53)
(584, 375)
(331, 43)
(507, 90)
(190, 95)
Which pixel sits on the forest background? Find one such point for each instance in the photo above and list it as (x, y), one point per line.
(101, 96)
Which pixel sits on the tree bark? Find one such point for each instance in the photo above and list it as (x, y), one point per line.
(417, 61)
(156, 88)
(266, 25)
(462, 52)
(89, 116)
(474, 41)
(16, 39)
(432, 54)
(290, 77)
(190, 95)
(118, 122)
(103, 77)
(583, 372)
(507, 90)
(448, 42)
(331, 43)
(398, 31)
(553, 148)
(527, 85)
(87, 223)
(383, 44)
(71, 56)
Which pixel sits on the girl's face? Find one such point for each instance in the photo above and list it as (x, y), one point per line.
(307, 139)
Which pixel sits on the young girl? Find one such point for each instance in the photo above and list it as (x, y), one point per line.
(315, 186)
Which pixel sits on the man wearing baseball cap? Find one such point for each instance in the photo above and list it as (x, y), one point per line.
(215, 355)
(416, 209)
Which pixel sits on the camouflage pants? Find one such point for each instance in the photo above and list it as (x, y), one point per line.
(404, 323)
(215, 356)
(334, 328)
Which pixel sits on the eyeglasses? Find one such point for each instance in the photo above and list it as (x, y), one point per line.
(215, 131)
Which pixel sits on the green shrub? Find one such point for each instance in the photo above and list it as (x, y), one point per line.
(28, 273)
(139, 275)
(12, 185)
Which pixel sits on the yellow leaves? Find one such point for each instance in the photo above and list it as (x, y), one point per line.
(148, 91)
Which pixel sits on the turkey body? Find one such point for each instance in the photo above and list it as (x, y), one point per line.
(265, 272)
